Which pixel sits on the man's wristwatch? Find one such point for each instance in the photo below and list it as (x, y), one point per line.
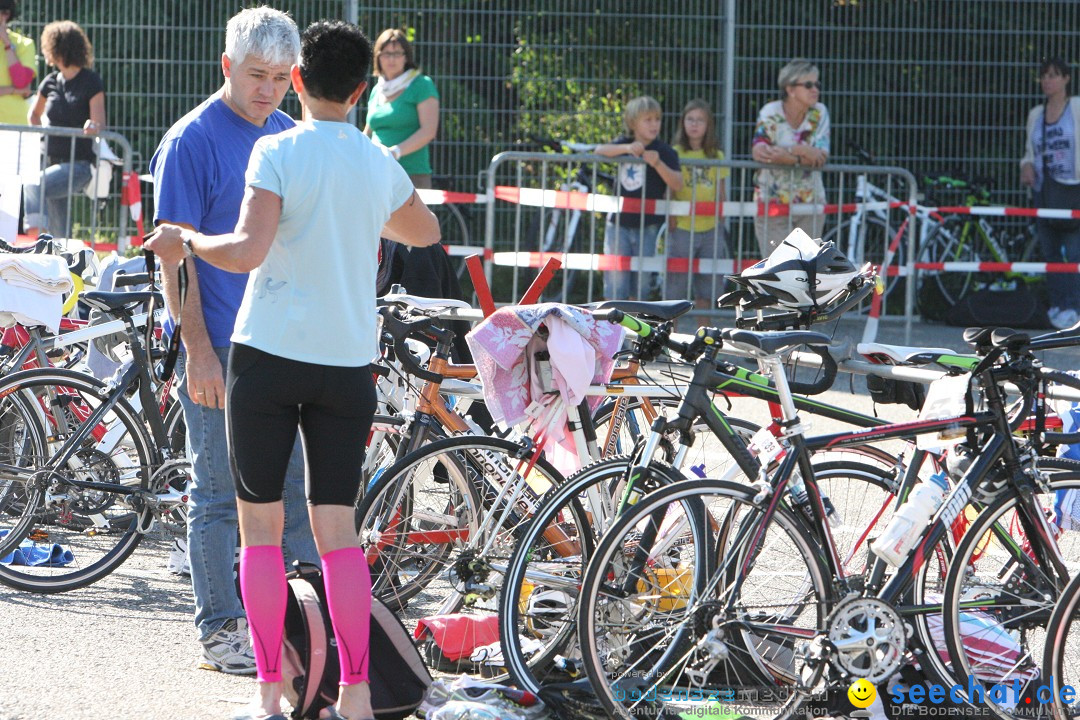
(188, 250)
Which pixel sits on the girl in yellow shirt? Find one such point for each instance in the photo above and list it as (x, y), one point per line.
(699, 235)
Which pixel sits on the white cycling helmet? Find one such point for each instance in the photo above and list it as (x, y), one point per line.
(801, 274)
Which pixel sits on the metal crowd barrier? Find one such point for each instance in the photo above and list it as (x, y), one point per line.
(95, 214)
(542, 205)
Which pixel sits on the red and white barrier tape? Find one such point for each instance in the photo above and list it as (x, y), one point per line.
(607, 263)
(593, 202)
(446, 197)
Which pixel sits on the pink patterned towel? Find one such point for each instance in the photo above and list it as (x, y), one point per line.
(504, 348)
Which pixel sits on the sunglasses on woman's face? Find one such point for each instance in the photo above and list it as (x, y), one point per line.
(809, 84)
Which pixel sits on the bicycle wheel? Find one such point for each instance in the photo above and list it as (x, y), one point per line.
(80, 535)
(1061, 656)
(454, 231)
(706, 457)
(537, 606)
(877, 236)
(956, 240)
(663, 628)
(438, 533)
(998, 600)
(22, 444)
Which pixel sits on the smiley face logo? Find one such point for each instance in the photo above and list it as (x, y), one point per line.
(861, 693)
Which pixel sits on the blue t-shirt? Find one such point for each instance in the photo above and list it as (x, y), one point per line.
(199, 180)
(313, 298)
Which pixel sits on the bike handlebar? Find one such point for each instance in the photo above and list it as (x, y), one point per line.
(400, 329)
(829, 368)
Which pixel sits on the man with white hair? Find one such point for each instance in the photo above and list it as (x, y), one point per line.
(198, 172)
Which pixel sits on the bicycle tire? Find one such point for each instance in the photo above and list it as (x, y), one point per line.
(22, 441)
(878, 235)
(422, 571)
(697, 612)
(99, 528)
(949, 242)
(706, 458)
(530, 601)
(454, 232)
(1061, 658)
(989, 580)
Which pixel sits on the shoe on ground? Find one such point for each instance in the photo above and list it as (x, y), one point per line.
(1065, 318)
(229, 650)
(178, 563)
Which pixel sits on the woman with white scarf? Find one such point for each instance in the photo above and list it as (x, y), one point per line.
(403, 109)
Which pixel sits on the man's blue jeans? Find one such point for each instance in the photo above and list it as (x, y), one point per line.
(212, 519)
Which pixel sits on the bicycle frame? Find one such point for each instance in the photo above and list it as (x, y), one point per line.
(999, 447)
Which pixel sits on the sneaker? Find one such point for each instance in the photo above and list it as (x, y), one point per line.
(1064, 319)
(229, 650)
(178, 563)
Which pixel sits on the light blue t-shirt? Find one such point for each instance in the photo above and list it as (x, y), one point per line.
(313, 298)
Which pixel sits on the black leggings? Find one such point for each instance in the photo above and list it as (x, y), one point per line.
(268, 397)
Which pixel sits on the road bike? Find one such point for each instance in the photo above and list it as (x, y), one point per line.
(84, 475)
(767, 611)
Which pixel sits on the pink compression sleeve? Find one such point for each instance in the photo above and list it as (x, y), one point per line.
(348, 595)
(263, 588)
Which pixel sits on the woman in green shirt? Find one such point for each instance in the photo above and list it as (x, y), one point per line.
(403, 109)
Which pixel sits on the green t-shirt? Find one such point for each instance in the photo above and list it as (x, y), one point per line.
(392, 122)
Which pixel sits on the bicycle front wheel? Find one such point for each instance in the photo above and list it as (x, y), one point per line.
(957, 240)
(537, 608)
(22, 445)
(663, 627)
(998, 599)
(1061, 656)
(438, 527)
(79, 534)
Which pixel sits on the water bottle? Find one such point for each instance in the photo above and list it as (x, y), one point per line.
(797, 490)
(904, 529)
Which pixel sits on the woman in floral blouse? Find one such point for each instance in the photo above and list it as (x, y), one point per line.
(791, 132)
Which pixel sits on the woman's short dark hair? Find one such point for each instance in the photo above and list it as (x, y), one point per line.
(1056, 62)
(65, 41)
(334, 57)
(12, 7)
(397, 36)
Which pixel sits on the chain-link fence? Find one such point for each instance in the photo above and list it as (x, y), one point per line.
(934, 86)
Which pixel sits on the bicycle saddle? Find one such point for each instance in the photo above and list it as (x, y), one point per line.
(1005, 337)
(658, 310)
(903, 355)
(114, 302)
(423, 304)
(978, 336)
(774, 343)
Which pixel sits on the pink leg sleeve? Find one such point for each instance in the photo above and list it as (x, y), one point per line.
(348, 595)
(263, 588)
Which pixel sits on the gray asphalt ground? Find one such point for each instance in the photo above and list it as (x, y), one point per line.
(125, 648)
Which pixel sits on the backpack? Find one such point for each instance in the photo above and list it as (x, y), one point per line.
(1019, 308)
(310, 665)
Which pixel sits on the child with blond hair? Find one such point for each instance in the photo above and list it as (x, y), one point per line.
(634, 233)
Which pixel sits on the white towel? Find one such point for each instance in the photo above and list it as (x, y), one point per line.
(29, 307)
(45, 273)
